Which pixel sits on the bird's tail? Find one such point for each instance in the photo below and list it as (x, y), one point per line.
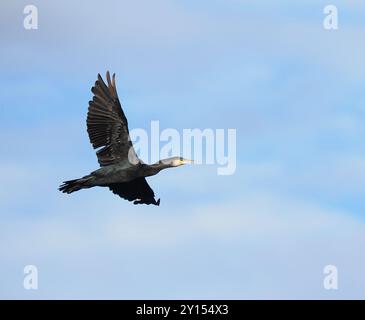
(75, 185)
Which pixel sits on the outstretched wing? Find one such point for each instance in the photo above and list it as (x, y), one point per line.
(136, 190)
(107, 124)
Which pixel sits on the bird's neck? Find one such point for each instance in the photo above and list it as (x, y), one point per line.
(155, 168)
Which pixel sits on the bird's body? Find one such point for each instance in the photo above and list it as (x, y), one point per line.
(114, 173)
(121, 170)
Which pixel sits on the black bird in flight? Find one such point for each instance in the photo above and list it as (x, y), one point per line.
(121, 170)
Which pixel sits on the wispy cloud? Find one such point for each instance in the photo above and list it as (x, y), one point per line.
(266, 232)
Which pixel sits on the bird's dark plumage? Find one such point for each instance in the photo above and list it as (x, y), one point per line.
(107, 124)
(135, 189)
(121, 170)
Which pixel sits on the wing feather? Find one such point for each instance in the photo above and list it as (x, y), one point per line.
(136, 190)
(107, 124)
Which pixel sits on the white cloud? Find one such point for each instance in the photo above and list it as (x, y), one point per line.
(272, 229)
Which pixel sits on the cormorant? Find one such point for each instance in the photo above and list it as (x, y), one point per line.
(121, 170)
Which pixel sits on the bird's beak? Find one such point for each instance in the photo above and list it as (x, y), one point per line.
(185, 161)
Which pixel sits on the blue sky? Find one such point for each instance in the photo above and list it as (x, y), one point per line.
(293, 91)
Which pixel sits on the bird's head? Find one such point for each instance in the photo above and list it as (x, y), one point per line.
(175, 161)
